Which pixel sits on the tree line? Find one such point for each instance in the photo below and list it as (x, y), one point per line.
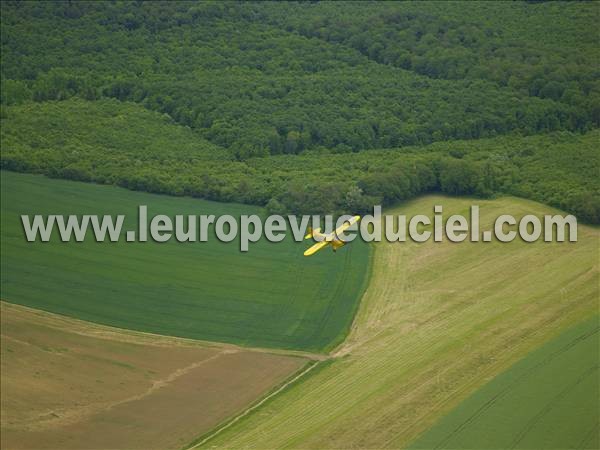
(112, 142)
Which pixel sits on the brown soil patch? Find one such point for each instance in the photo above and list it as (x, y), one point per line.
(69, 384)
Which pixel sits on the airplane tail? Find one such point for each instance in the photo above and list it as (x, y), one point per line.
(337, 243)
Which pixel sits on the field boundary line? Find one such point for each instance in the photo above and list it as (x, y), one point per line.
(252, 408)
(110, 332)
(336, 350)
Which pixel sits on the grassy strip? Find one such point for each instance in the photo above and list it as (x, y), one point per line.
(549, 399)
(297, 378)
(438, 321)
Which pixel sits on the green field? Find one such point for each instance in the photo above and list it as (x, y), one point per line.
(315, 107)
(439, 321)
(525, 406)
(271, 296)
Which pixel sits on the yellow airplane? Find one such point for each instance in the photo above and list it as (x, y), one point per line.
(326, 239)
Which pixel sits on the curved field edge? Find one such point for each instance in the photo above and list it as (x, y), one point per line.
(309, 369)
(109, 382)
(426, 337)
(521, 407)
(199, 290)
(339, 341)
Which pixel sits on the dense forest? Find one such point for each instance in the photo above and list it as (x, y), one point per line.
(309, 106)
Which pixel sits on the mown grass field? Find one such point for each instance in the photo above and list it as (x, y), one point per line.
(271, 296)
(437, 322)
(559, 379)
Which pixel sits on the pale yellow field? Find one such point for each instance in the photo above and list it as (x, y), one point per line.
(436, 323)
(69, 384)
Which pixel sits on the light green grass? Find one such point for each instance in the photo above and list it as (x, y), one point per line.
(437, 322)
(271, 296)
(547, 400)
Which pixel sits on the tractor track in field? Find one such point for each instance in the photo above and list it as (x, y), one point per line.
(490, 403)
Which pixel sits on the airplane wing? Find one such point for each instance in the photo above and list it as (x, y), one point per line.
(315, 248)
(347, 224)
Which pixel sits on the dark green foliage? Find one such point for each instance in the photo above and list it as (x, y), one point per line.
(536, 50)
(459, 177)
(264, 78)
(112, 142)
(274, 103)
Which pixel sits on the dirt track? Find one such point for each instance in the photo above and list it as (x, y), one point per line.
(69, 384)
